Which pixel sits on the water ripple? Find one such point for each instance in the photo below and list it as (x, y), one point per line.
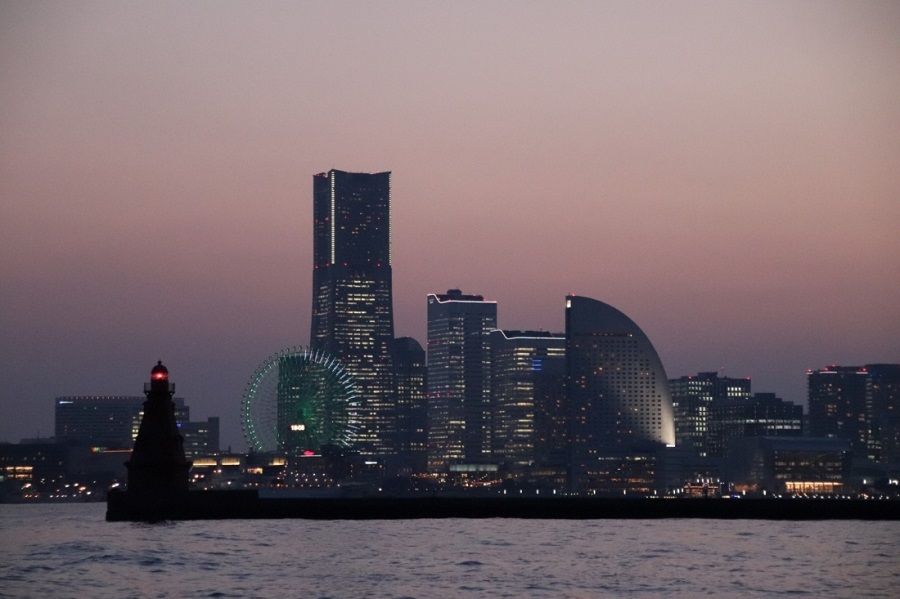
(64, 551)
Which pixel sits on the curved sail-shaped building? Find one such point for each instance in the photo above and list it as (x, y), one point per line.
(617, 389)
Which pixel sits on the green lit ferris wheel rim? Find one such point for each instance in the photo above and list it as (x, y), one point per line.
(335, 397)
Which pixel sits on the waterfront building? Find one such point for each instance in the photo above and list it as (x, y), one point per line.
(458, 372)
(101, 420)
(527, 398)
(860, 404)
(837, 405)
(883, 412)
(200, 438)
(44, 469)
(412, 409)
(235, 471)
(109, 422)
(104, 420)
(761, 415)
(619, 403)
(788, 465)
(692, 400)
(683, 465)
(352, 305)
(33, 467)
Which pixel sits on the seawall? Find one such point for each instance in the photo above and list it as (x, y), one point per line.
(218, 505)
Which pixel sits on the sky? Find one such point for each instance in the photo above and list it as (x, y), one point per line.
(725, 173)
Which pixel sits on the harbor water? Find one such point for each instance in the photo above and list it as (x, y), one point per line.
(69, 550)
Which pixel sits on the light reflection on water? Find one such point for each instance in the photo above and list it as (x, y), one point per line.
(69, 551)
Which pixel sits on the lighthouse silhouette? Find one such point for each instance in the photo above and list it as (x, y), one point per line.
(158, 467)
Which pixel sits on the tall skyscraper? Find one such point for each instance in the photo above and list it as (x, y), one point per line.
(459, 370)
(527, 397)
(618, 394)
(352, 316)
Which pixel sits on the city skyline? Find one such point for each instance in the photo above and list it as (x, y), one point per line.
(723, 174)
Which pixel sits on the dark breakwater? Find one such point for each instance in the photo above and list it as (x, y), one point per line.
(224, 505)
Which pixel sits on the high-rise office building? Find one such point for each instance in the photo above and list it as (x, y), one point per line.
(693, 398)
(860, 404)
(412, 411)
(527, 397)
(837, 405)
(459, 370)
(618, 397)
(883, 409)
(352, 315)
(761, 415)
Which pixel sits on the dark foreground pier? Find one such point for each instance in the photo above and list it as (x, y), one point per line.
(225, 505)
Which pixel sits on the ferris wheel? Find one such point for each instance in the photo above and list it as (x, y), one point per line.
(299, 400)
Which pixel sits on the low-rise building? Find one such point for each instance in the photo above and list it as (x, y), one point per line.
(788, 465)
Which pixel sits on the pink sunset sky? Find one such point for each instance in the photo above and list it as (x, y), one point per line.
(725, 173)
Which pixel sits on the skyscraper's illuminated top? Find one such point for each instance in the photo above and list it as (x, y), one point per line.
(352, 219)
